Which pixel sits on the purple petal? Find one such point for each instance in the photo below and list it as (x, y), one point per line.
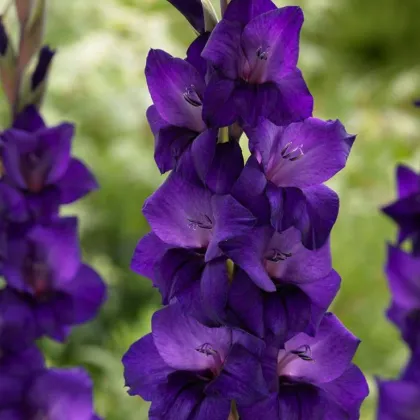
(241, 379)
(302, 154)
(12, 204)
(398, 400)
(192, 11)
(63, 393)
(203, 150)
(170, 81)
(245, 304)
(348, 391)
(245, 10)
(87, 292)
(226, 167)
(76, 182)
(29, 120)
(144, 369)
(219, 105)
(215, 289)
(57, 143)
(408, 181)
(401, 271)
(194, 54)
(177, 338)
(223, 48)
(180, 213)
(149, 251)
(247, 251)
(332, 350)
(275, 34)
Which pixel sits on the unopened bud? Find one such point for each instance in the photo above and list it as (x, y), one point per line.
(24, 8)
(42, 69)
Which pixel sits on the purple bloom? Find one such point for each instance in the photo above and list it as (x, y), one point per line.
(254, 52)
(296, 160)
(312, 378)
(34, 392)
(183, 367)
(177, 90)
(403, 272)
(406, 210)
(45, 275)
(398, 399)
(37, 161)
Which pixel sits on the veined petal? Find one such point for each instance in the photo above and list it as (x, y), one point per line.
(176, 88)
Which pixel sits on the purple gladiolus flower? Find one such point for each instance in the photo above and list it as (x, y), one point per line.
(309, 375)
(37, 161)
(254, 52)
(296, 160)
(183, 367)
(403, 272)
(406, 210)
(45, 275)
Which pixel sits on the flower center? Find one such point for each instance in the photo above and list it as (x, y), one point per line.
(275, 256)
(192, 97)
(284, 358)
(208, 351)
(206, 223)
(36, 272)
(35, 169)
(254, 70)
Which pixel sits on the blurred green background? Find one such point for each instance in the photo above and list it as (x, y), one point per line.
(361, 60)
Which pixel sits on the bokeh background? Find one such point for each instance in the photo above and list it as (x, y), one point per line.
(361, 60)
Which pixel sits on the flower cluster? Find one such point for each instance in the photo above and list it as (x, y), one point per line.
(400, 398)
(240, 251)
(47, 287)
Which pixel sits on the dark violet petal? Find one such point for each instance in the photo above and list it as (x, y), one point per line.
(203, 150)
(245, 304)
(180, 213)
(298, 265)
(177, 337)
(169, 80)
(149, 251)
(13, 206)
(241, 378)
(213, 408)
(402, 271)
(275, 33)
(408, 181)
(398, 400)
(194, 53)
(156, 122)
(16, 142)
(299, 402)
(226, 167)
(321, 293)
(219, 102)
(11, 391)
(215, 289)
(294, 101)
(332, 350)
(144, 369)
(232, 219)
(243, 11)
(57, 141)
(76, 182)
(62, 393)
(17, 328)
(320, 212)
(87, 292)
(178, 271)
(193, 12)
(249, 190)
(223, 48)
(348, 391)
(47, 318)
(61, 243)
(286, 313)
(170, 143)
(302, 154)
(29, 120)
(247, 251)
